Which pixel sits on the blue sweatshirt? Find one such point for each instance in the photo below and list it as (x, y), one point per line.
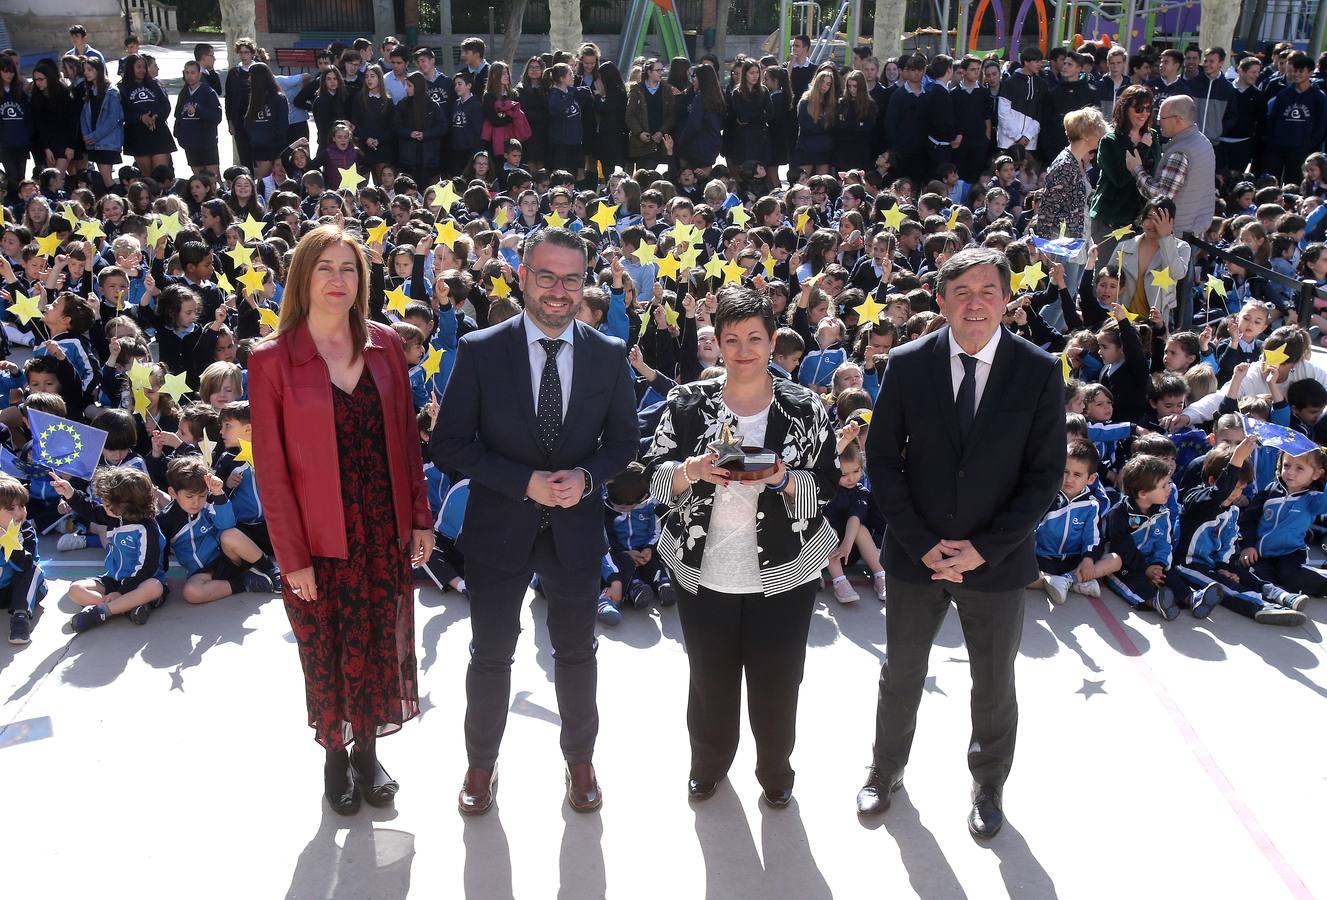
(1074, 527)
(196, 540)
(135, 551)
(197, 117)
(15, 120)
(1276, 521)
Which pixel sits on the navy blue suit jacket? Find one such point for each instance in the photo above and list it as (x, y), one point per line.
(992, 489)
(486, 430)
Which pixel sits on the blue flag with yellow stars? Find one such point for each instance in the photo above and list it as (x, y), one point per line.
(10, 465)
(70, 448)
(1287, 440)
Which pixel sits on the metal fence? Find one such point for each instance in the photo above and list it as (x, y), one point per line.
(597, 16)
(325, 15)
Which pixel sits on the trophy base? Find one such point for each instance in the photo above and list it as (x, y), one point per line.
(755, 466)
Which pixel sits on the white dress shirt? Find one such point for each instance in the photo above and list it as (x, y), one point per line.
(538, 357)
(985, 359)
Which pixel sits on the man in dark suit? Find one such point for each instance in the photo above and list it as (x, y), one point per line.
(539, 413)
(966, 452)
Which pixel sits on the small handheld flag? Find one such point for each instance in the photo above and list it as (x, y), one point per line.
(67, 447)
(1287, 440)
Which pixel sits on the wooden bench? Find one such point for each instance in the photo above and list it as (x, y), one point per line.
(288, 58)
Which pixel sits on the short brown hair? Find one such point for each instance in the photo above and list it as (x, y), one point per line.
(1143, 473)
(12, 492)
(187, 473)
(127, 492)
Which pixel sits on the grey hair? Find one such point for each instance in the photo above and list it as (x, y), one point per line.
(971, 258)
(558, 237)
(1183, 106)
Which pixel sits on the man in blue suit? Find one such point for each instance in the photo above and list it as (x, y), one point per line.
(966, 452)
(539, 413)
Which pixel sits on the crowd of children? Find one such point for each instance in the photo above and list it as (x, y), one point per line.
(140, 296)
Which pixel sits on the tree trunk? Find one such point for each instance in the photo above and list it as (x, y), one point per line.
(888, 35)
(721, 30)
(237, 21)
(512, 35)
(564, 25)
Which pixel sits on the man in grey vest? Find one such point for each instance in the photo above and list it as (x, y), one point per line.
(1187, 175)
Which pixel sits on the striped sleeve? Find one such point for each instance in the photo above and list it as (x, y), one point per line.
(661, 485)
(805, 501)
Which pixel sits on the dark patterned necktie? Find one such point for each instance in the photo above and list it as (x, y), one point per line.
(966, 401)
(548, 415)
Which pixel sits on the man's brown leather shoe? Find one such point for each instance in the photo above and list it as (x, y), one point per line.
(477, 793)
(583, 788)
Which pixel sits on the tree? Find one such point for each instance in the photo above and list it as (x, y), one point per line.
(888, 36)
(721, 30)
(564, 25)
(237, 21)
(512, 33)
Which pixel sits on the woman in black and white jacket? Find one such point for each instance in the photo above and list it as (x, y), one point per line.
(745, 557)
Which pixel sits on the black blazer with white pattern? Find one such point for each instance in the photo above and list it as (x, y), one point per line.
(793, 539)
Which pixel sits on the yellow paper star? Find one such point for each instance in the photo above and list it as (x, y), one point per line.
(69, 213)
(953, 217)
(802, 221)
(91, 229)
(350, 178)
(246, 452)
(869, 312)
(48, 245)
(447, 233)
(690, 256)
(1274, 358)
(1161, 278)
(446, 195)
(732, 273)
(1064, 230)
(241, 255)
(269, 318)
(555, 219)
(224, 283)
(11, 541)
(682, 233)
(768, 265)
(177, 385)
(206, 445)
(668, 266)
(714, 268)
(503, 216)
(432, 362)
(1131, 315)
(500, 287)
(154, 233)
(864, 415)
(378, 233)
(605, 216)
(397, 300)
(252, 228)
(141, 401)
(140, 375)
(894, 218)
(1065, 368)
(1033, 276)
(738, 215)
(1215, 284)
(1121, 233)
(172, 225)
(1015, 282)
(644, 253)
(252, 279)
(671, 317)
(24, 308)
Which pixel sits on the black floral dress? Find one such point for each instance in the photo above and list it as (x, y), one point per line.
(357, 640)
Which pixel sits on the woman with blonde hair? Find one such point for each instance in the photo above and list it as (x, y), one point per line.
(335, 438)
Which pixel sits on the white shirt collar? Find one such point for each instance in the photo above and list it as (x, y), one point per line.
(985, 354)
(533, 333)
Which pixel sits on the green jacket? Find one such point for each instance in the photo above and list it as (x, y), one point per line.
(1117, 200)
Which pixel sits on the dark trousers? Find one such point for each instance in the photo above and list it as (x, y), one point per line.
(970, 158)
(1234, 157)
(496, 599)
(15, 163)
(992, 628)
(1286, 163)
(1241, 590)
(937, 156)
(1137, 590)
(627, 570)
(243, 147)
(765, 637)
(1293, 573)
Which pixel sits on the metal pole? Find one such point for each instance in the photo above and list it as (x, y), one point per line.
(492, 29)
(784, 37)
(1126, 29)
(1057, 28)
(961, 44)
(944, 28)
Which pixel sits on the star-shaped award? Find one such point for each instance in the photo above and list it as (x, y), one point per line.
(728, 446)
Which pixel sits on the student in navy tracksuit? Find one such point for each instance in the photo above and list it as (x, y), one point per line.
(238, 476)
(1296, 121)
(466, 134)
(1209, 538)
(633, 531)
(135, 578)
(199, 527)
(197, 118)
(15, 126)
(1071, 546)
(1274, 524)
(1139, 529)
(566, 135)
(22, 585)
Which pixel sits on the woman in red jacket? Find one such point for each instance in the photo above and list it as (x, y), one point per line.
(335, 439)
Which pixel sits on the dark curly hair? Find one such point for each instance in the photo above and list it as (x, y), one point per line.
(127, 492)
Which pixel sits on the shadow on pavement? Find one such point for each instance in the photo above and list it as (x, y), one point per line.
(370, 862)
(487, 872)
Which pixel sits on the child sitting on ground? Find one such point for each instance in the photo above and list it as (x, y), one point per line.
(855, 518)
(1071, 550)
(237, 474)
(22, 585)
(135, 578)
(633, 530)
(1274, 524)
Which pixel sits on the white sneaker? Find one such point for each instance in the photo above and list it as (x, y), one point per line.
(845, 592)
(878, 581)
(1057, 588)
(72, 541)
(1089, 588)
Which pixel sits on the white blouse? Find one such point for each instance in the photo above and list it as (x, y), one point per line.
(730, 564)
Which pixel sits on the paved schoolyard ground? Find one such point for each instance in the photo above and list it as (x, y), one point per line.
(1154, 760)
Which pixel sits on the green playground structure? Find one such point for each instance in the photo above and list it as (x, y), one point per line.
(640, 16)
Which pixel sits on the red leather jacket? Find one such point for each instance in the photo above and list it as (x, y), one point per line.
(294, 444)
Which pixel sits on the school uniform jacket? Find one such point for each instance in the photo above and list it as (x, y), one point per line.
(197, 130)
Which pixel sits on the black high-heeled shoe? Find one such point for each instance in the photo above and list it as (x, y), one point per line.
(378, 788)
(339, 787)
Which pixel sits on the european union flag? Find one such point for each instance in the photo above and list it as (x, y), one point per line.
(1063, 249)
(1279, 437)
(10, 465)
(67, 447)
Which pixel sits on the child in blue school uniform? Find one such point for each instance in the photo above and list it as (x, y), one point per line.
(1209, 539)
(633, 531)
(1070, 539)
(1274, 524)
(22, 584)
(414, 342)
(817, 368)
(1140, 529)
(238, 475)
(857, 522)
(118, 450)
(134, 582)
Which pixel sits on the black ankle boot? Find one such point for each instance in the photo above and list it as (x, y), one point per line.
(378, 788)
(339, 784)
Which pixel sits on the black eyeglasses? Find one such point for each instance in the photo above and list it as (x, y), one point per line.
(570, 283)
